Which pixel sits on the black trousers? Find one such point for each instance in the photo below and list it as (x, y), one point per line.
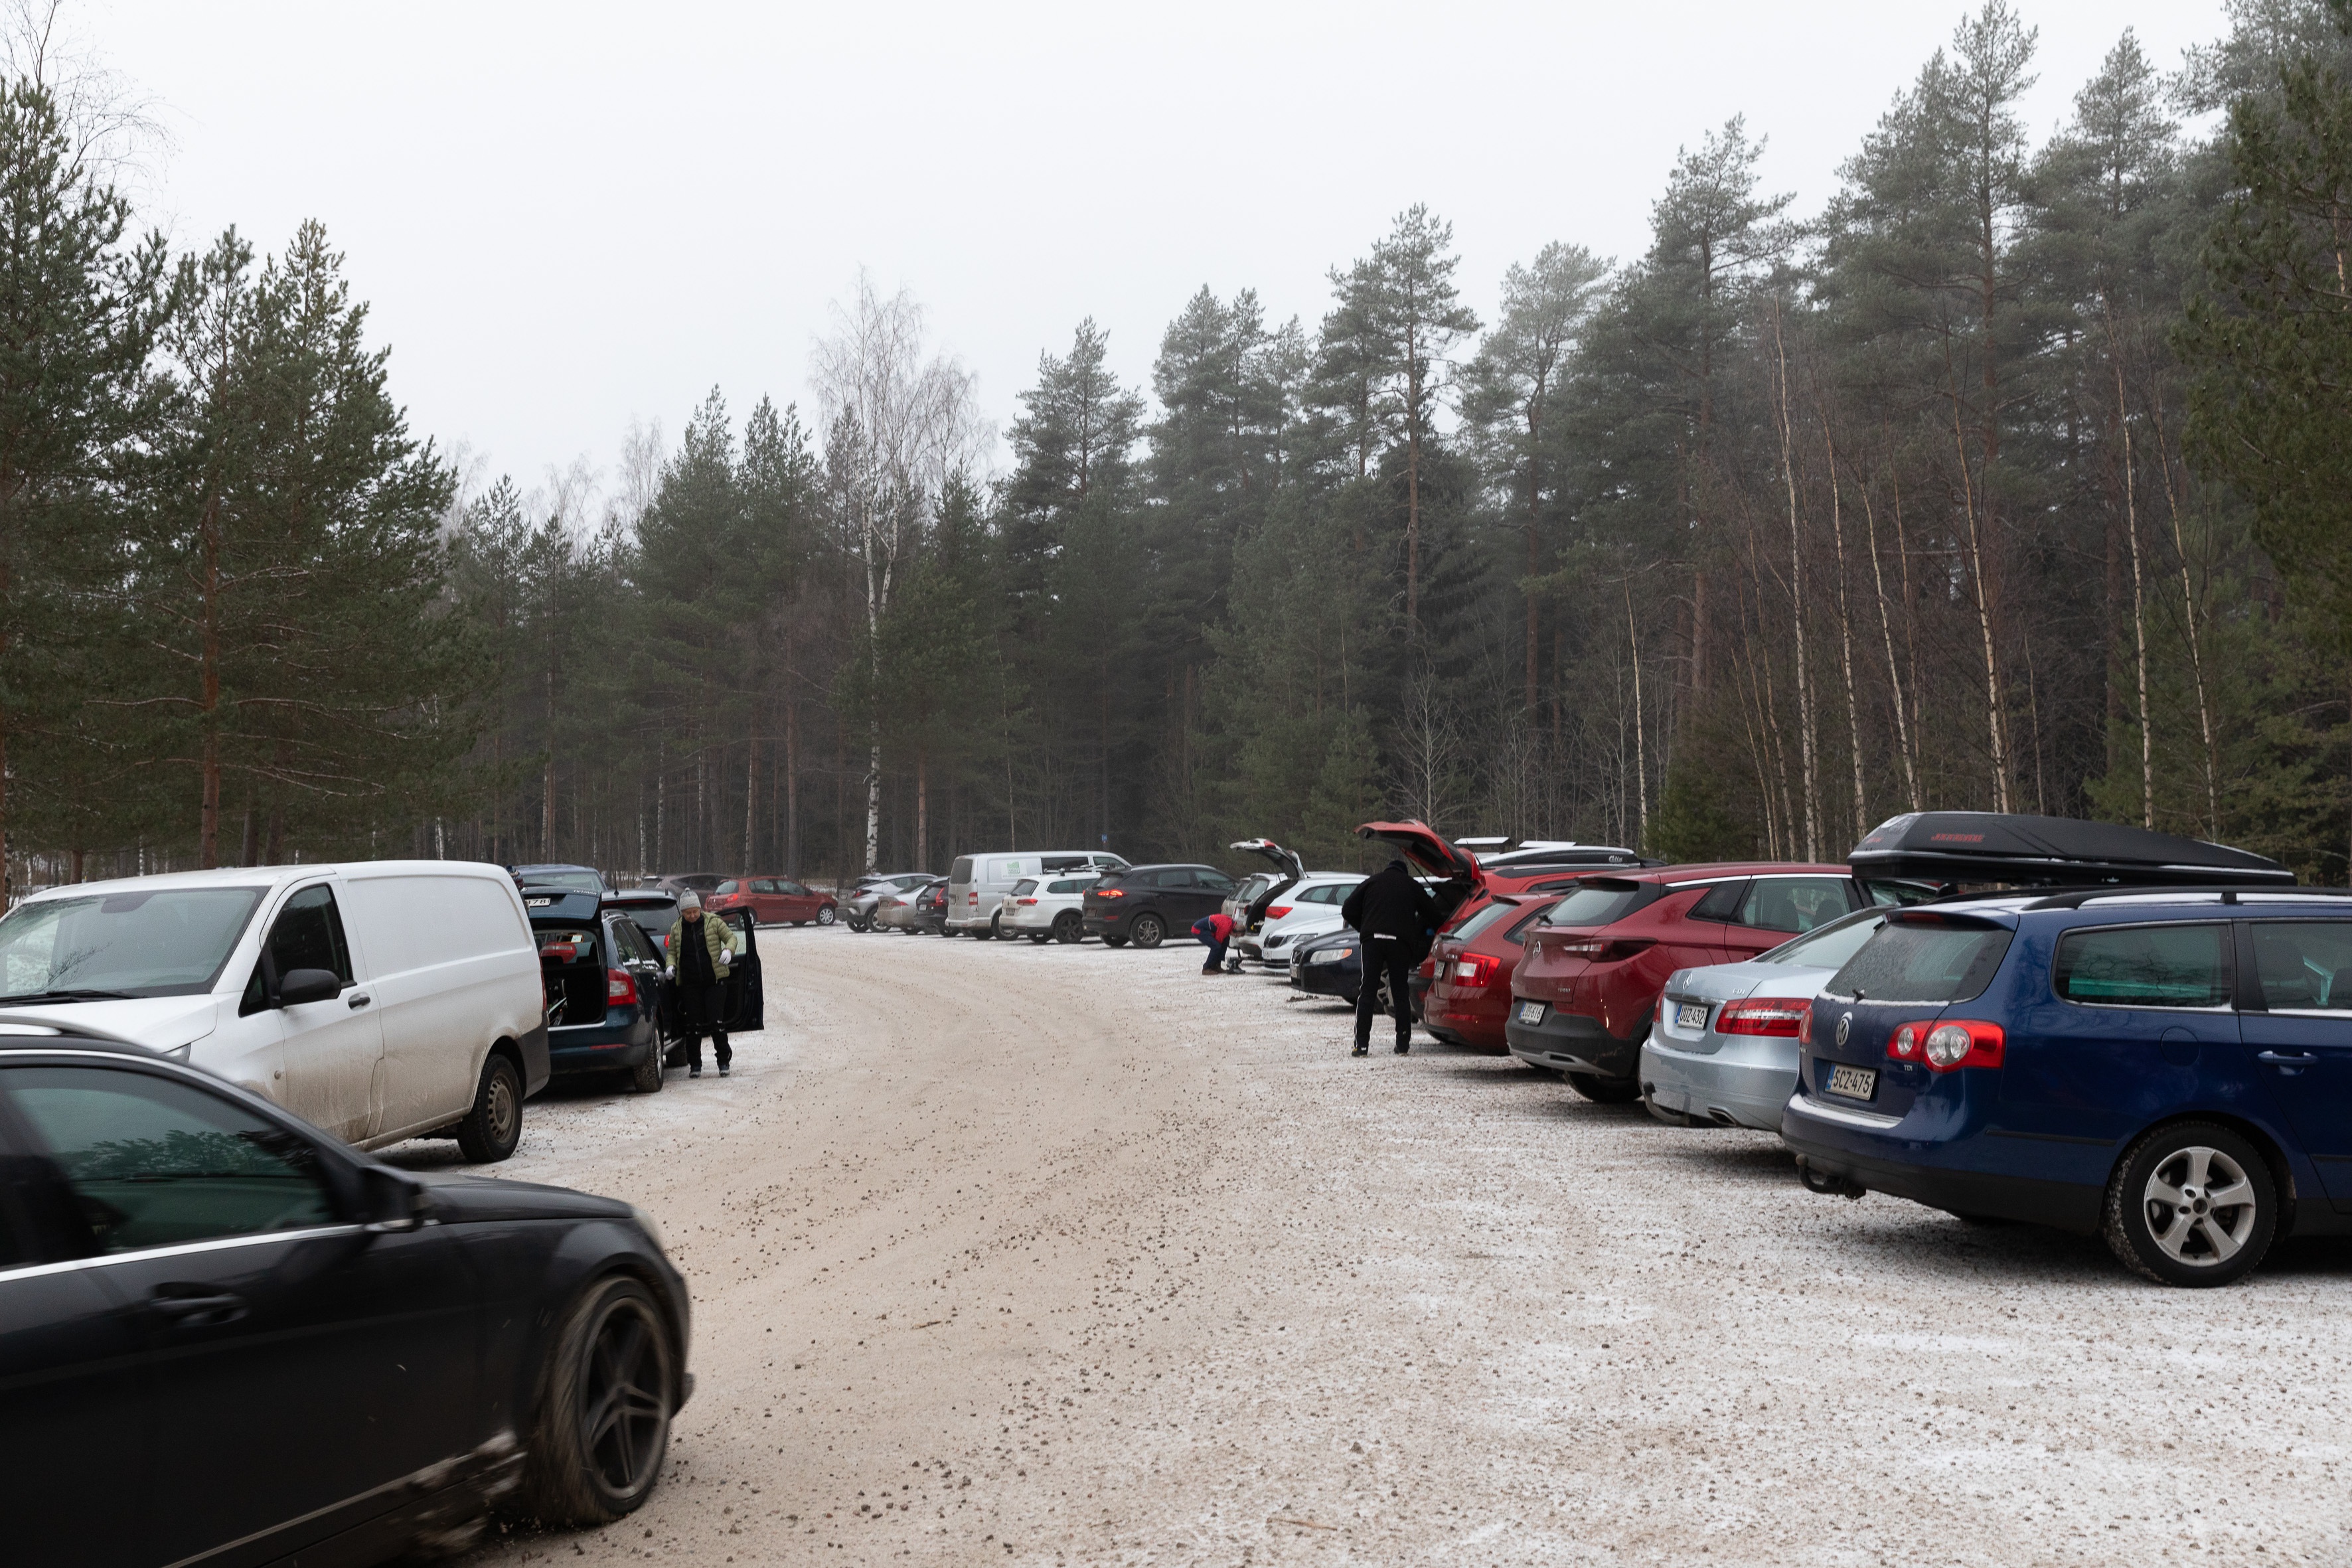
(702, 1010)
(1393, 956)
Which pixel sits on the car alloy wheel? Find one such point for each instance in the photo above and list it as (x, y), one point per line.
(1147, 930)
(2192, 1204)
(824, 916)
(1067, 927)
(604, 1424)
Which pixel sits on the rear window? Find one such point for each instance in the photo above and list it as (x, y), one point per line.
(1596, 904)
(1023, 886)
(960, 872)
(1485, 920)
(2144, 966)
(1913, 961)
(1828, 948)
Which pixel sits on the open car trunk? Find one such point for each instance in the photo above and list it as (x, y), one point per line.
(2008, 847)
(1288, 868)
(571, 974)
(1425, 849)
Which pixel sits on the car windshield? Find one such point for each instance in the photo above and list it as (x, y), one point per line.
(164, 941)
(1829, 947)
(1917, 961)
(570, 882)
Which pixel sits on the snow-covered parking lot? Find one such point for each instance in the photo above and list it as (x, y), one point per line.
(1071, 1256)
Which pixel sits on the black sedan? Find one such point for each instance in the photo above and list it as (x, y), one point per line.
(1327, 965)
(1147, 904)
(226, 1336)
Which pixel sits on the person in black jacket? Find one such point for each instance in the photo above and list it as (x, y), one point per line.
(1394, 915)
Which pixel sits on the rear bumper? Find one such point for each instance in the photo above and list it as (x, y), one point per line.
(600, 1047)
(1864, 1149)
(1749, 1080)
(1571, 1042)
(1475, 1018)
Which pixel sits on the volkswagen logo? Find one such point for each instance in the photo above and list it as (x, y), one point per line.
(1845, 1028)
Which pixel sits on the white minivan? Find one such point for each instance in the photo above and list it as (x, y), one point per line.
(379, 1000)
(977, 883)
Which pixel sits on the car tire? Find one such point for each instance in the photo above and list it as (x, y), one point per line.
(1114, 942)
(602, 1424)
(2160, 1221)
(1068, 929)
(825, 917)
(1605, 1090)
(1147, 931)
(646, 1078)
(494, 1126)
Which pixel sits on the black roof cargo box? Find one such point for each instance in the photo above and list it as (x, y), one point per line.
(1997, 846)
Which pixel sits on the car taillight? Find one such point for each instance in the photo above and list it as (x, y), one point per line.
(1805, 1029)
(1602, 950)
(1763, 1015)
(1476, 969)
(1025, 902)
(1109, 893)
(1277, 911)
(1947, 1047)
(972, 897)
(620, 988)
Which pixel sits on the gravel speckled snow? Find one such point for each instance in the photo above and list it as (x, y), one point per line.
(1066, 1256)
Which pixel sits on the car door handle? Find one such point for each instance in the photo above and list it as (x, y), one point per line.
(211, 1307)
(2288, 1059)
(361, 1000)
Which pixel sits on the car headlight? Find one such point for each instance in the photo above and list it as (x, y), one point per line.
(1330, 955)
(653, 1232)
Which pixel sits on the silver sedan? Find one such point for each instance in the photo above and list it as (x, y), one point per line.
(1723, 1048)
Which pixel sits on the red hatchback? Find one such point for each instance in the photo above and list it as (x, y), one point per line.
(1470, 969)
(773, 900)
(1583, 996)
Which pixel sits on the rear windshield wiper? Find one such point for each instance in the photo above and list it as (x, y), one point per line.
(83, 994)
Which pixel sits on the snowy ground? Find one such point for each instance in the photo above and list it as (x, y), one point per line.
(1065, 1256)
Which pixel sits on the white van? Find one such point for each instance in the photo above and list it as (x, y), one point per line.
(977, 883)
(380, 1000)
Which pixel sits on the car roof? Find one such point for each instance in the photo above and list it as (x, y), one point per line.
(271, 876)
(1720, 871)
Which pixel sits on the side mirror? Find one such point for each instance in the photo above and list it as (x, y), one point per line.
(301, 986)
(392, 1200)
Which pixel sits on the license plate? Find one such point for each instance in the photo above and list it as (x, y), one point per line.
(1691, 1015)
(1855, 1083)
(1532, 1012)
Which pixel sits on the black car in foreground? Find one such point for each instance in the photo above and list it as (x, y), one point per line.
(225, 1336)
(1147, 904)
(1328, 966)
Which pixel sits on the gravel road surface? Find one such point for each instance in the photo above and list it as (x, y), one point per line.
(1066, 1256)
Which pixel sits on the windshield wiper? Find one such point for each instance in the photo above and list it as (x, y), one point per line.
(83, 994)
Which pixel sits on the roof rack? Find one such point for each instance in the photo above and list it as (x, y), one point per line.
(2263, 892)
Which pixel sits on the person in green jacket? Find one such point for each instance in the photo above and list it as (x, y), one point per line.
(699, 952)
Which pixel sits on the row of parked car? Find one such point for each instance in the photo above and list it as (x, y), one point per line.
(2010, 1018)
(230, 1334)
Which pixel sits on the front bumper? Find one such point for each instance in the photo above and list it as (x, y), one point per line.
(1571, 1042)
(1341, 980)
(1747, 1082)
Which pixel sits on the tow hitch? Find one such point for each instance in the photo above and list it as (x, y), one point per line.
(1828, 1184)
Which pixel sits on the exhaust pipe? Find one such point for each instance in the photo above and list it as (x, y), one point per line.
(1829, 1183)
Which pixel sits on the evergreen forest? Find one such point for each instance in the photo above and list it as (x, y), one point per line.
(2015, 479)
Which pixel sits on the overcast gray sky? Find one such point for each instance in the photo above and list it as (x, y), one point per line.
(567, 216)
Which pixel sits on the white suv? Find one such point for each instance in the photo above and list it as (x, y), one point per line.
(1309, 907)
(1046, 908)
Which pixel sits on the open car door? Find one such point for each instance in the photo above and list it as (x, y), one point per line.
(1425, 848)
(745, 1003)
(1288, 867)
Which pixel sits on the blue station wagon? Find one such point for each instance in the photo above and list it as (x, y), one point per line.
(2171, 1070)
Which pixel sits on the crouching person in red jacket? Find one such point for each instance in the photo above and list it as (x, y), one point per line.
(1215, 931)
